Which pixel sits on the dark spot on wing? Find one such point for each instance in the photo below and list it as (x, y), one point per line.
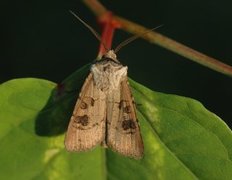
(127, 109)
(83, 120)
(83, 105)
(92, 101)
(120, 104)
(87, 101)
(128, 124)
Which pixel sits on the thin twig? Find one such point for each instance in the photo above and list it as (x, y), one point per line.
(96, 7)
(163, 41)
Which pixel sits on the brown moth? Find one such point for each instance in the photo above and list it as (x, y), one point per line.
(105, 111)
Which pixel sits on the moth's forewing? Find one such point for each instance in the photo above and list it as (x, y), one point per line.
(87, 124)
(123, 133)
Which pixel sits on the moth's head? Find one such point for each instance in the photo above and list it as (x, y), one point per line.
(111, 55)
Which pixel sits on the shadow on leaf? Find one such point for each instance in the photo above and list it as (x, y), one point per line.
(53, 119)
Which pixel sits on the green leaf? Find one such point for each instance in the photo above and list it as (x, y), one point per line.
(182, 139)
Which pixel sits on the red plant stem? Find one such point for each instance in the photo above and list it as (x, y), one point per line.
(108, 28)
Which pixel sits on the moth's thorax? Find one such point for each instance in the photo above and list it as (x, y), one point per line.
(108, 72)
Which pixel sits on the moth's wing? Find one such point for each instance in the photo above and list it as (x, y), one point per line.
(123, 132)
(86, 128)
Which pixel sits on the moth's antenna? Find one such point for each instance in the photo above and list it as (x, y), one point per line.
(91, 29)
(130, 39)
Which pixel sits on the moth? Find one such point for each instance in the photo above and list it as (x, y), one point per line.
(105, 111)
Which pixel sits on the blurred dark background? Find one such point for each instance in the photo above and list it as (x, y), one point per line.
(42, 39)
